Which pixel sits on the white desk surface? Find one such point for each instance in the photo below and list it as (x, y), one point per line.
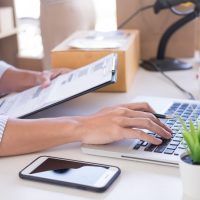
(137, 180)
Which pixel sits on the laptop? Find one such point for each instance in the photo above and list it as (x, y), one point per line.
(169, 151)
(63, 88)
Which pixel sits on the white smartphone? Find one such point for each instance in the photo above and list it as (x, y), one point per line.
(72, 173)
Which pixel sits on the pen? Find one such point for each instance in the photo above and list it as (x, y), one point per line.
(161, 116)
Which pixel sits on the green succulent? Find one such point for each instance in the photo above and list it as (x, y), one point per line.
(191, 135)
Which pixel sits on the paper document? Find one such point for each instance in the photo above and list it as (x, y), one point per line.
(63, 88)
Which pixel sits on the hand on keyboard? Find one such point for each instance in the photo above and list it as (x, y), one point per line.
(123, 122)
(176, 145)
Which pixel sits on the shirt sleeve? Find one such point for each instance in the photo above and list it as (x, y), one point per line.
(3, 122)
(3, 67)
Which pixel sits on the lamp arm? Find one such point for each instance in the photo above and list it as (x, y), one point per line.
(171, 30)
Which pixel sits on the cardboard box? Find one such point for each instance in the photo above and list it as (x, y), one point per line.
(128, 59)
(6, 19)
(152, 27)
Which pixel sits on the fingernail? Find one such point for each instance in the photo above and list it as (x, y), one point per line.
(169, 135)
(159, 141)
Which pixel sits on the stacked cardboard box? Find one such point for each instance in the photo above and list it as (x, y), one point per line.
(128, 58)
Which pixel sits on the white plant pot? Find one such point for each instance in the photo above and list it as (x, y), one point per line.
(190, 176)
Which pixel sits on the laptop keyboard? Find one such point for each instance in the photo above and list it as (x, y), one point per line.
(176, 145)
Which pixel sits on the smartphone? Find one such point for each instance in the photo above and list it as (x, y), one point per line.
(72, 173)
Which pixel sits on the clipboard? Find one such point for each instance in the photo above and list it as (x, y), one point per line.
(63, 88)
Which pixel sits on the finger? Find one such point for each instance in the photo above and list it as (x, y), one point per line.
(54, 75)
(139, 114)
(139, 134)
(143, 106)
(58, 72)
(45, 84)
(45, 79)
(153, 118)
(47, 76)
(164, 126)
(145, 123)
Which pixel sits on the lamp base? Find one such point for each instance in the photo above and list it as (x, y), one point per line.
(168, 64)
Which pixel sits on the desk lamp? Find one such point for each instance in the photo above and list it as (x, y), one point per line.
(161, 62)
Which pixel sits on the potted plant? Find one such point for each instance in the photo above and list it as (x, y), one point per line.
(190, 160)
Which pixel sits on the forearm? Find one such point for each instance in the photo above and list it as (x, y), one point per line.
(15, 80)
(26, 136)
(109, 125)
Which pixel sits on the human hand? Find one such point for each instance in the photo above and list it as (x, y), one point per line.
(44, 78)
(122, 122)
(24, 79)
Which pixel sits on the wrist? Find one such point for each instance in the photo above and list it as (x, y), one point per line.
(24, 79)
(73, 129)
(21, 80)
(30, 79)
(33, 78)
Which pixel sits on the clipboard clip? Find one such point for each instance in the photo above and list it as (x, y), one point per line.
(110, 64)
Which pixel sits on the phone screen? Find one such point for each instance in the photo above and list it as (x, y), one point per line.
(69, 171)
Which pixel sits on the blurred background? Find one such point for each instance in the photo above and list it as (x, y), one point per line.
(33, 28)
(28, 22)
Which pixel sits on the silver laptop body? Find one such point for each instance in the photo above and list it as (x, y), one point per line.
(126, 149)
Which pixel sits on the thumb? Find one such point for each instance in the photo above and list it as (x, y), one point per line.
(45, 79)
